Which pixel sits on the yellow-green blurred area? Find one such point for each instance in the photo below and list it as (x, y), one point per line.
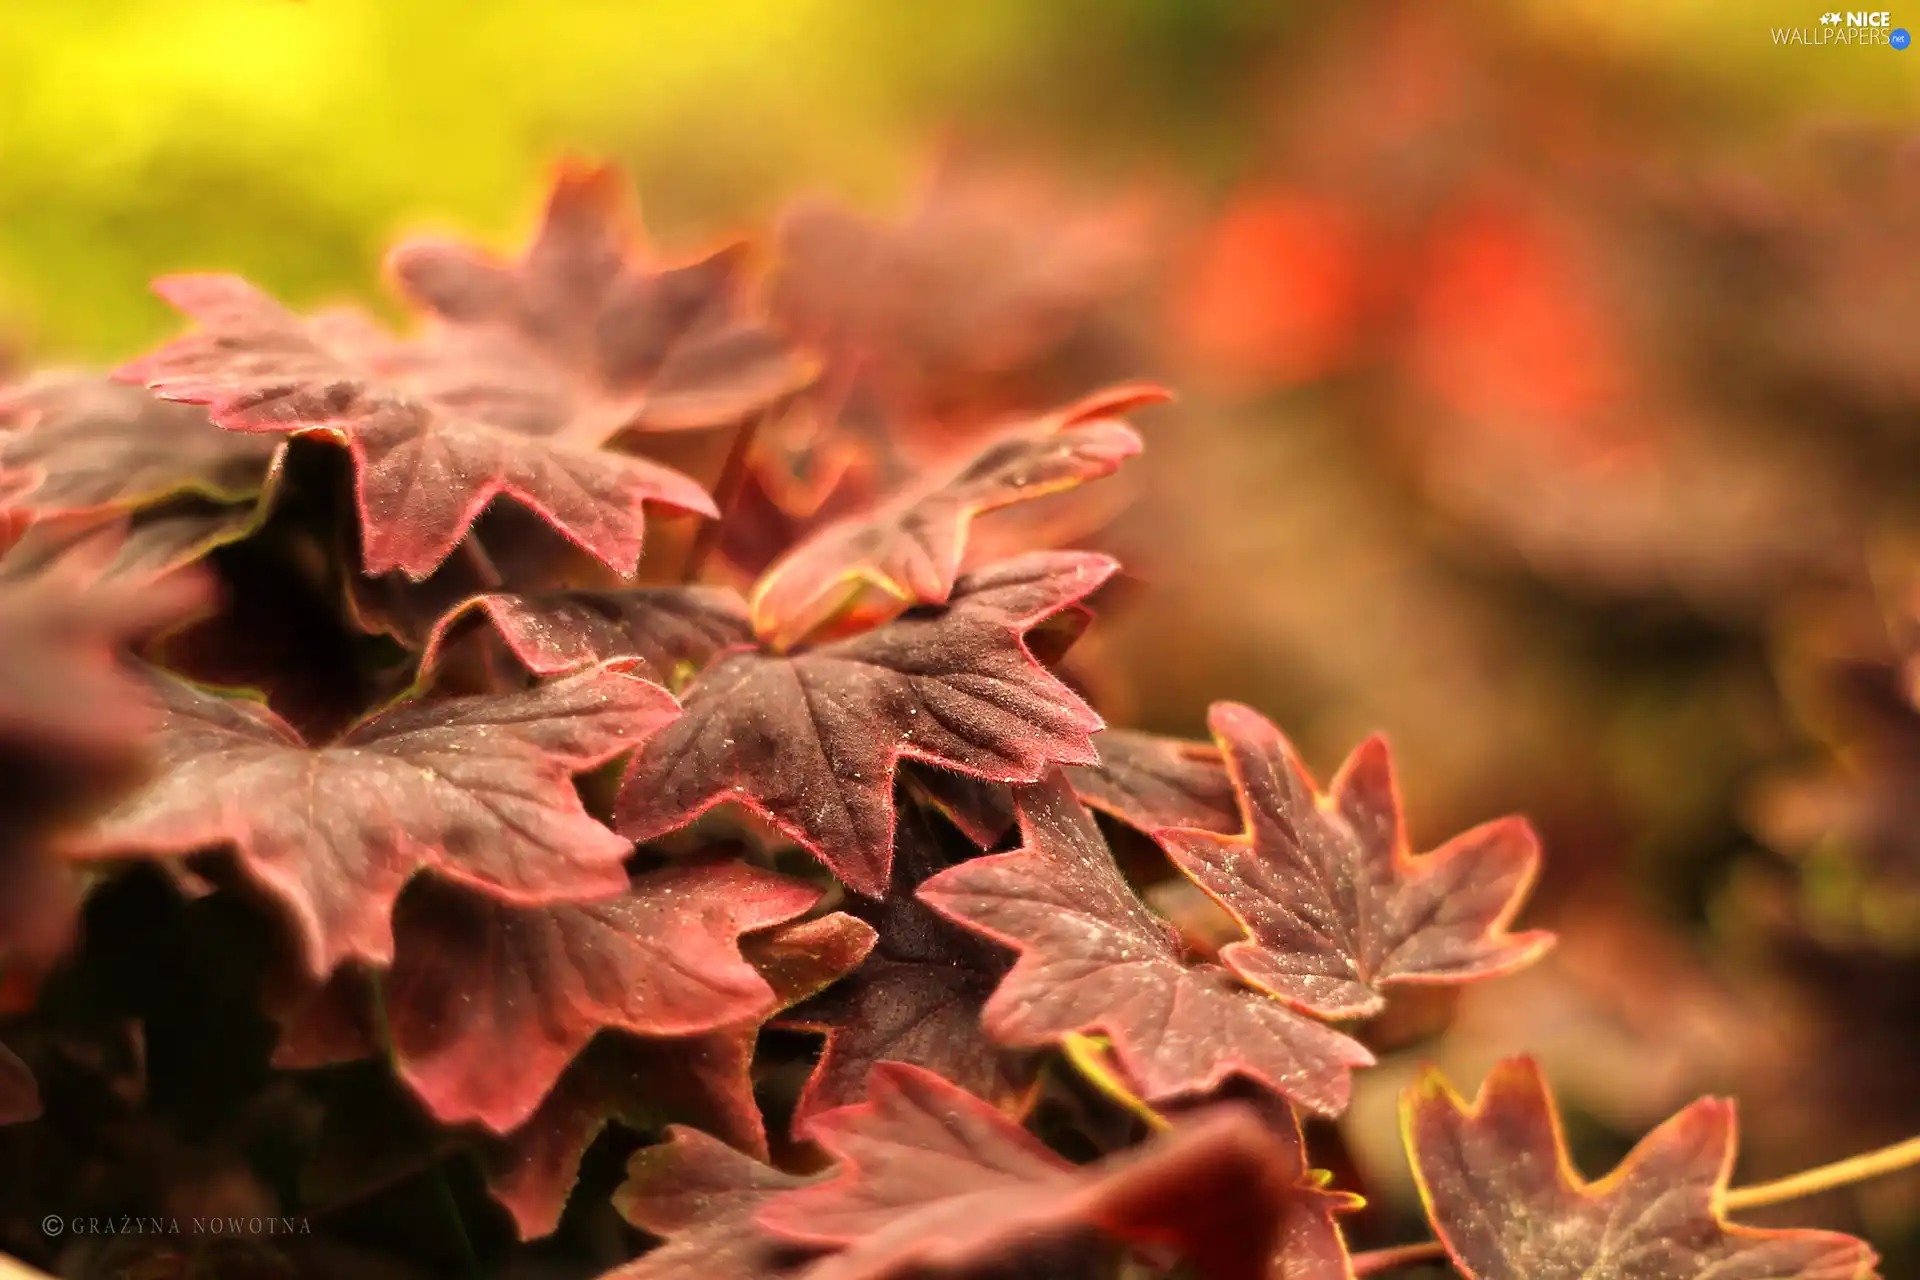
(290, 139)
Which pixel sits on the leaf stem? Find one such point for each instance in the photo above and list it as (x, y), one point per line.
(1841, 1173)
(1375, 1261)
(733, 477)
(1088, 1056)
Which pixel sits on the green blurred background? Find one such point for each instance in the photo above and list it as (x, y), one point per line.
(290, 139)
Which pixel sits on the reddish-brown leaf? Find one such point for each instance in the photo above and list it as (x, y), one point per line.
(85, 445)
(660, 349)
(1150, 782)
(665, 630)
(1094, 959)
(910, 550)
(933, 1179)
(811, 740)
(1335, 904)
(917, 998)
(476, 983)
(147, 545)
(19, 1093)
(1507, 1203)
(433, 440)
(701, 1196)
(475, 789)
(646, 1083)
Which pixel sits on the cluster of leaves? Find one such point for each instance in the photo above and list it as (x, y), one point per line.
(349, 664)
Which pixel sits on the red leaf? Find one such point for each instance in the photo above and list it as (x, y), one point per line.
(910, 550)
(476, 982)
(88, 445)
(811, 740)
(644, 1083)
(1505, 1200)
(1093, 958)
(1335, 903)
(476, 789)
(19, 1094)
(701, 1196)
(427, 456)
(149, 545)
(662, 629)
(934, 1179)
(917, 999)
(661, 349)
(699, 1080)
(1150, 782)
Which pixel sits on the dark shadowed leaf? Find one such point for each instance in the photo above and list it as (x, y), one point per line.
(811, 740)
(1335, 904)
(665, 630)
(918, 997)
(1508, 1204)
(430, 451)
(934, 1179)
(1094, 959)
(477, 983)
(86, 445)
(701, 1197)
(644, 1084)
(1150, 782)
(19, 1094)
(148, 545)
(910, 551)
(667, 348)
(477, 789)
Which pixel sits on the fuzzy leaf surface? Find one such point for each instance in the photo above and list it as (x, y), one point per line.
(811, 740)
(477, 789)
(646, 1083)
(84, 444)
(662, 349)
(934, 1179)
(432, 441)
(1335, 904)
(1148, 781)
(917, 999)
(701, 1196)
(476, 982)
(1506, 1201)
(1093, 958)
(911, 549)
(659, 628)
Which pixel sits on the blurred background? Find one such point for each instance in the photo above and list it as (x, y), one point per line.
(1550, 381)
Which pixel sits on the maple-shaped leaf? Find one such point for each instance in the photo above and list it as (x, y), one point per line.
(1093, 958)
(1507, 1203)
(431, 444)
(933, 1179)
(810, 740)
(85, 444)
(917, 998)
(19, 1093)
(671, 346)
(1335, 904)
(476, 982)
(701, 1197)
(910, 550)
(661, 629)
(1148, 781)
(477, 789)
(147, 545)
(646, 1083)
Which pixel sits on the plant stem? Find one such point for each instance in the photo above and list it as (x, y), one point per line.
(1088, 1056)
(1375, 1261)
(733, 476)
(1841, 1173)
